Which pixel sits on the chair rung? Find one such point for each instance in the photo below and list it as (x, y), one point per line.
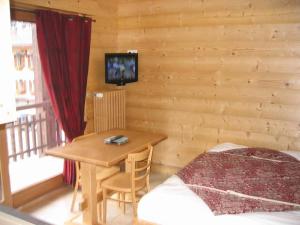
(143, 168)
(126, 201)
(141, 177)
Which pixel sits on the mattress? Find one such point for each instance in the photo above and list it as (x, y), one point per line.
(173, 203)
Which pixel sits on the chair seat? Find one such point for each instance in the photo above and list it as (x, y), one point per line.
(121, 182)
(104, 173)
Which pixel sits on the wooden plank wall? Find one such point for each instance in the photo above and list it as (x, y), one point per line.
(104, 37)
(213, 71)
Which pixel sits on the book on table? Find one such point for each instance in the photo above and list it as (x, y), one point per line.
(117, 139)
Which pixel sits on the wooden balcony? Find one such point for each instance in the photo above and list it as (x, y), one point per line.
(34, 131)
(27, 138)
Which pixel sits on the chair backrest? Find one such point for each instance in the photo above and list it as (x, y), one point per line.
(77, 163)
(140, 164)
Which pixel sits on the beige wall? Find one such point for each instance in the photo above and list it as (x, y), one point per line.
(104, 36)
(213, 71)
(7, 103)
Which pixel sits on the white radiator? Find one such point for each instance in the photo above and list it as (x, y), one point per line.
(109, 110)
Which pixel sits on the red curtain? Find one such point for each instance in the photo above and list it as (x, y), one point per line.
(64, 47)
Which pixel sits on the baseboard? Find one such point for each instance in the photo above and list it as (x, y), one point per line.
(141, 222)
(164, 169)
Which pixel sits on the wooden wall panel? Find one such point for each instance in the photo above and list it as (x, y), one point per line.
(207, 8)
(209, 71)
(213, 71)
(104, 37)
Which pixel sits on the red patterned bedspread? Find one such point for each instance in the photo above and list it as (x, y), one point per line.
(245, 180)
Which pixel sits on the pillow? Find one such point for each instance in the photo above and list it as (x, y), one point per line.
(225, 146)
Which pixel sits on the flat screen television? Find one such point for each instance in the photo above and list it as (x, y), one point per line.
(121, 68)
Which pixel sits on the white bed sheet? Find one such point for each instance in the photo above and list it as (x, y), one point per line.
(173, 203)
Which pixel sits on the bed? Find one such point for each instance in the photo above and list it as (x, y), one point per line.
(174, 203)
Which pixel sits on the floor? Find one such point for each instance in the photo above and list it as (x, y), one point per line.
(35, 168)
(54, 207)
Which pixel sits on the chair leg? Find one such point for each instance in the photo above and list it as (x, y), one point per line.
(123, 200)
(74, 195)
(99, 206)
(104, 206)
(148, 184)
(119, 198)
(134, 205)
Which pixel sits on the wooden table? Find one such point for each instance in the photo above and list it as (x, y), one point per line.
(92, 152)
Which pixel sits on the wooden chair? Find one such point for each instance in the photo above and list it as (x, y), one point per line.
(130, 182)
(101, 173)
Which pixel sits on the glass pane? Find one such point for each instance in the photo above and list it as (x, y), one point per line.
(22, 40)
(36, 128)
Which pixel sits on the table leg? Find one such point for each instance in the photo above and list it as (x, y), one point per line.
(89, 192)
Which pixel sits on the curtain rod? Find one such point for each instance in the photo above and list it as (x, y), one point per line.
(28, 10)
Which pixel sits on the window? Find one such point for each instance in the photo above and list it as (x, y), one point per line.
(36, 128)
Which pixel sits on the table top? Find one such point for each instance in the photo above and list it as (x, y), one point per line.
(92, 149)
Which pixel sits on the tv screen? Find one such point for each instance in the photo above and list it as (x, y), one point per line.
(121, 68)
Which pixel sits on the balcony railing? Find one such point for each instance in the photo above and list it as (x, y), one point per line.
(34, 131)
